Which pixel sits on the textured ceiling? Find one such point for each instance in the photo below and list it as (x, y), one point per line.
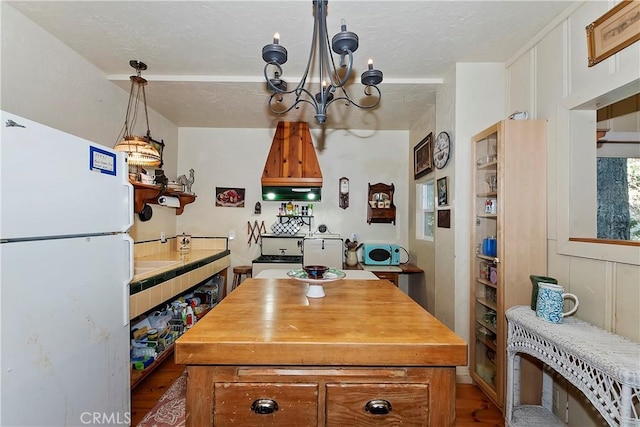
(204, 58)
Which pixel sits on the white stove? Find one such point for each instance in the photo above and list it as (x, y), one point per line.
(278, 251)
(291, 252)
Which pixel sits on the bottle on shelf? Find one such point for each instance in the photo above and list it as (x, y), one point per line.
(191, 318)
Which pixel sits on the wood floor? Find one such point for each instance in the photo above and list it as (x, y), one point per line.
(473, 408)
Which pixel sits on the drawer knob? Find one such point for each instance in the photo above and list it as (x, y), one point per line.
(378, 407)
(264, 406)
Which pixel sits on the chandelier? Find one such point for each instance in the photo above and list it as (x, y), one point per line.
(331, 87)
(140, 151)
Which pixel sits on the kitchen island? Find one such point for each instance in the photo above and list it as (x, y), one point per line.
(365, 353)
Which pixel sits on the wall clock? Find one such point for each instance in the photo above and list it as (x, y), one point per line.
(343, 200)
(441, 150)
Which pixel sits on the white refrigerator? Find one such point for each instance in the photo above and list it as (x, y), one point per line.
(66, 262)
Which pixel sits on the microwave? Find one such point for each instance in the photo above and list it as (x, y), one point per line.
(380, 254)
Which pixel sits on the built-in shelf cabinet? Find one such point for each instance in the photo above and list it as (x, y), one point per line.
(508, 203)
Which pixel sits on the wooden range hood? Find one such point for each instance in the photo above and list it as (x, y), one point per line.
(292, 171)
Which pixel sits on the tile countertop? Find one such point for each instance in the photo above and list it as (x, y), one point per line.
(152, 265)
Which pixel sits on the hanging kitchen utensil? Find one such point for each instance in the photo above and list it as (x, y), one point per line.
(254, 231)
(146, 213)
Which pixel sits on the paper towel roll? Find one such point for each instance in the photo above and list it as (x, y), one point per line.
(170, 201)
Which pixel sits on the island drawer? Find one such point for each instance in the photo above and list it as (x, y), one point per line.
(390, 276)
(367, 404)
(265, 404)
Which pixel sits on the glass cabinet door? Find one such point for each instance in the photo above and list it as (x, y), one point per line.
(485, 291)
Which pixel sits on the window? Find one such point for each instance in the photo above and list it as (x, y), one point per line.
(618, 170)
(618, 213)
(425, 210)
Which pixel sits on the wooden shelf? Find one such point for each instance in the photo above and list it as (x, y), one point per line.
(487, 303)
(488, 258)
(488, 342)
(488, 194)
(149, 193)
(384, 214)
(490, 165)
(486, 282)
(138, 376)
(488, 216)
(487, 325)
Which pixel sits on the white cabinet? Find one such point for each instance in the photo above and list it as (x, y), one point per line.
(323, 251)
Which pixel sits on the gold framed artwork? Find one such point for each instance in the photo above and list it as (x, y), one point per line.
(613, 31)
(423, 157)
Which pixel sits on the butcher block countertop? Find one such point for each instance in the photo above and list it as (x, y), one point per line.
(357, 323)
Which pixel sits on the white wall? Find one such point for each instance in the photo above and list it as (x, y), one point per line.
(422, 287)
(480, 95)
(549, 79)
(236, 158)
(45, 81)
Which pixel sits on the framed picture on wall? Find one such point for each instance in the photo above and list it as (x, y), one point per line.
(423, 157)
(443, 192)
(613, 31)
(158, 145)
(230, 197)
(444, 218)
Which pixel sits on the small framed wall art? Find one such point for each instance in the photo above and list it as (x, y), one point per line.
(230, 197)
(443, 191)
(423, 157)
(444, 218)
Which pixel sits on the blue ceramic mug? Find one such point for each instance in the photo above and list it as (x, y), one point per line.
(550, 304)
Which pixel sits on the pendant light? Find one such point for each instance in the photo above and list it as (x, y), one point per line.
(140, 151)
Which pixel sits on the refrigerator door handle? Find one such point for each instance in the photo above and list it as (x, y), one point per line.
(131, 203)
(130, 191)
(126, 286)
